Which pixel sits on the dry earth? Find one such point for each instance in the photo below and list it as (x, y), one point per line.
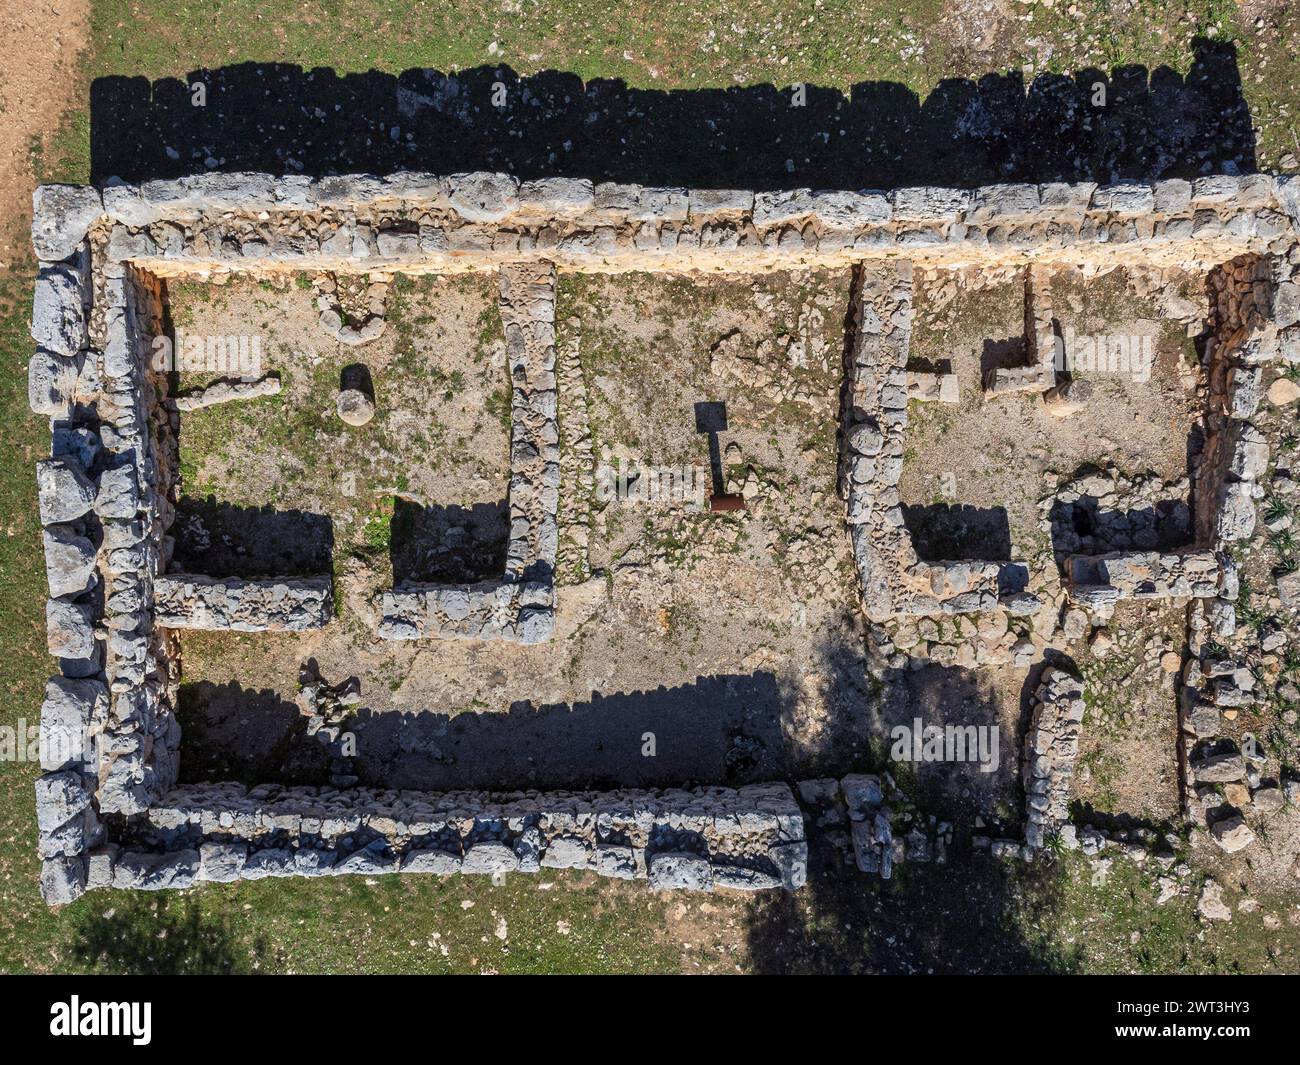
(40, 41)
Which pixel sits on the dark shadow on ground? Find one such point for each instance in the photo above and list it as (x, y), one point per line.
(946, 531)
(972, 914)
(159, 934)
(229, 732)
(725, 728)
(448, 543)
(223, 540)
(282, 119)
(958, 696)
(1004, 354)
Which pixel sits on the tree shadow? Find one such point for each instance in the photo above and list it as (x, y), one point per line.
(160, 934)
(283, 119)
(970, 914)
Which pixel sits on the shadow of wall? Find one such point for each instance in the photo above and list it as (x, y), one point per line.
(282, 119)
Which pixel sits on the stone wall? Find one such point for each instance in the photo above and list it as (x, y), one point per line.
(894, 581)
(187, 601)
(1098, 582)
(423, 222)
(106, 723)
(1245, 337)
(1255, 304)
(104, 490)
(521, 606)
(750, 838)
(1051, 747)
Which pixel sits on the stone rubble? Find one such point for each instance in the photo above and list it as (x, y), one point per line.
(329, 710)
(873, 823)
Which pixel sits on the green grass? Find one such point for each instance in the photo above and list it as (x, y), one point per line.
(672, 45)
(380, 925)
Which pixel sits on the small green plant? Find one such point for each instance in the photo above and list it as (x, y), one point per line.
(377, 531)
(1276, 509)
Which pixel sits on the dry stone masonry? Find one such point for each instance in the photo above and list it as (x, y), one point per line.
(184, 601)
(107, 808)
(522, 605)
(1051, 747)
(751, 838)
(429, 223)
(1098, 582)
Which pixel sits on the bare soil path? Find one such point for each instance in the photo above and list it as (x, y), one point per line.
(40, 43)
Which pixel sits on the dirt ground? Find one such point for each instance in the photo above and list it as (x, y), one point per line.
(280, 485)
(1128, 765)
(975, 471)
(731, 640)
(691, 645)
(39, 46)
